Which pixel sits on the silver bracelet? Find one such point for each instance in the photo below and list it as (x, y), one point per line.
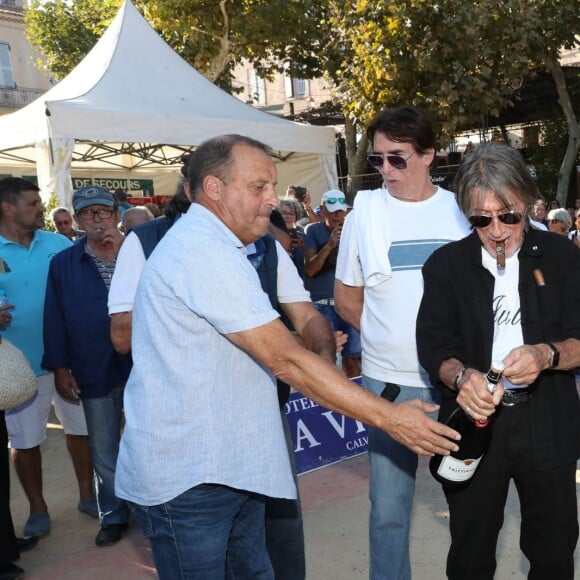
(458, 378)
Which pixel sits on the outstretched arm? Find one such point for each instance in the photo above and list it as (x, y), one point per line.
(408, 423)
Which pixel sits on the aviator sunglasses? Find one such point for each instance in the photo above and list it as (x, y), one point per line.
(509, 218)
(396, 161)
(331, 200)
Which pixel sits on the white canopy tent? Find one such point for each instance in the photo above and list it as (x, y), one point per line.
(133, 102)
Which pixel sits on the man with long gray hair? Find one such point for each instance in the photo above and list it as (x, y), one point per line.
(507, 293)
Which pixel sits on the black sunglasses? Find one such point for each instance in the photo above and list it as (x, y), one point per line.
(509, 218)
(397, 161)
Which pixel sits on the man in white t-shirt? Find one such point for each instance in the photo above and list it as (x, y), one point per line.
(385, 242)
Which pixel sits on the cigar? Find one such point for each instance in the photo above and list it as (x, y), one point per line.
(500, 255)
(539, 277)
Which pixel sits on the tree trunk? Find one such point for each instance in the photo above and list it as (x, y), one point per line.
(220, 63)
(569, 161)
(356, 154)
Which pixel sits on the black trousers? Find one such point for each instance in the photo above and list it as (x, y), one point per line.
(8, 547)
(284, 527)
(549, 526)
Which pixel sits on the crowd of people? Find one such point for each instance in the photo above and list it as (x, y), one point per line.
(149, 332)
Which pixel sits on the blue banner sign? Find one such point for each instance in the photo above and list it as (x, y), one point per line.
(322, 437)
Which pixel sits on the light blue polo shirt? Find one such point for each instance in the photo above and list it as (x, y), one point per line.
(198, 408)
(23, 274)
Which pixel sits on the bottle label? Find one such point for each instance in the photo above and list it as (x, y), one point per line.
(458, 470)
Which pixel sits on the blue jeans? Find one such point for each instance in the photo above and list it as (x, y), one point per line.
(103, 416)
(209, 532)
(392, 487)
(352, 348)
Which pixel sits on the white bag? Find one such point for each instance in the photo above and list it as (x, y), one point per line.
(17, 379)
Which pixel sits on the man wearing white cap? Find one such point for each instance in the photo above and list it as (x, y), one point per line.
(320, 253)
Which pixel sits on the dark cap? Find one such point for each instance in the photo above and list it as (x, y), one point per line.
(92, 195)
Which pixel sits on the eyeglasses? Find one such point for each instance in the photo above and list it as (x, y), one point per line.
(556, 221)
(332, 200)
(90, 214)
(509, 218)
(283, 213)
(397, 161)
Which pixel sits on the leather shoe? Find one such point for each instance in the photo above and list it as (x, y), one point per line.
(11, 572)
(25, 544)
(110, 534)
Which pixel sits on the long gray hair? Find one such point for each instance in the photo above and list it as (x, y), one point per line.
(494, 168)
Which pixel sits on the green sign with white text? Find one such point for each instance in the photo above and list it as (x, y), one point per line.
(112, 183)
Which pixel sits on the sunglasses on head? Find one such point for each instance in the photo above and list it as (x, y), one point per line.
(397, 161)
(509, 218)
(332, 200)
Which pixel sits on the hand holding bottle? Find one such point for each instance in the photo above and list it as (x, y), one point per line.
(460, 466)
(475, 397)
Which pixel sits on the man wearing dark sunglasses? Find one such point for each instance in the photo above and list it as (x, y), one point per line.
(559, 221)
(385, 241)
(507, 292)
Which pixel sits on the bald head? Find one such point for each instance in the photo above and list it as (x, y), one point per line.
(134, 216)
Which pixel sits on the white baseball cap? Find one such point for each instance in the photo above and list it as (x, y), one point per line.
(334, 200)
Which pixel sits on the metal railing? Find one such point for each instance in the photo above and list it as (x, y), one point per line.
(18, 97)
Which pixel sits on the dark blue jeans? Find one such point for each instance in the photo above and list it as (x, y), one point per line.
(207, 532)
(103, 416)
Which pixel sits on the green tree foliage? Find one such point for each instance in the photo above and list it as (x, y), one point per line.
(462, 61)
(53, 203)
(212, 35)
(547, 156)
(64, 32)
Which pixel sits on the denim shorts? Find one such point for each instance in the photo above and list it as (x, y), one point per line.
(352, 349)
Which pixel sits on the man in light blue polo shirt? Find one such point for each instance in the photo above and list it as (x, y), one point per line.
(203, 441)
(25, 254)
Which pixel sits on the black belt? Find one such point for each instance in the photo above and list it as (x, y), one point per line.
(513, 397)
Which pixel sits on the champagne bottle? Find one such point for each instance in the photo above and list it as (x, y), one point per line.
(458, 468)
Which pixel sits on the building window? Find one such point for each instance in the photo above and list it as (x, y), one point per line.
(257, 88)
(6, 74)
(295, 88)
(300, 87)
